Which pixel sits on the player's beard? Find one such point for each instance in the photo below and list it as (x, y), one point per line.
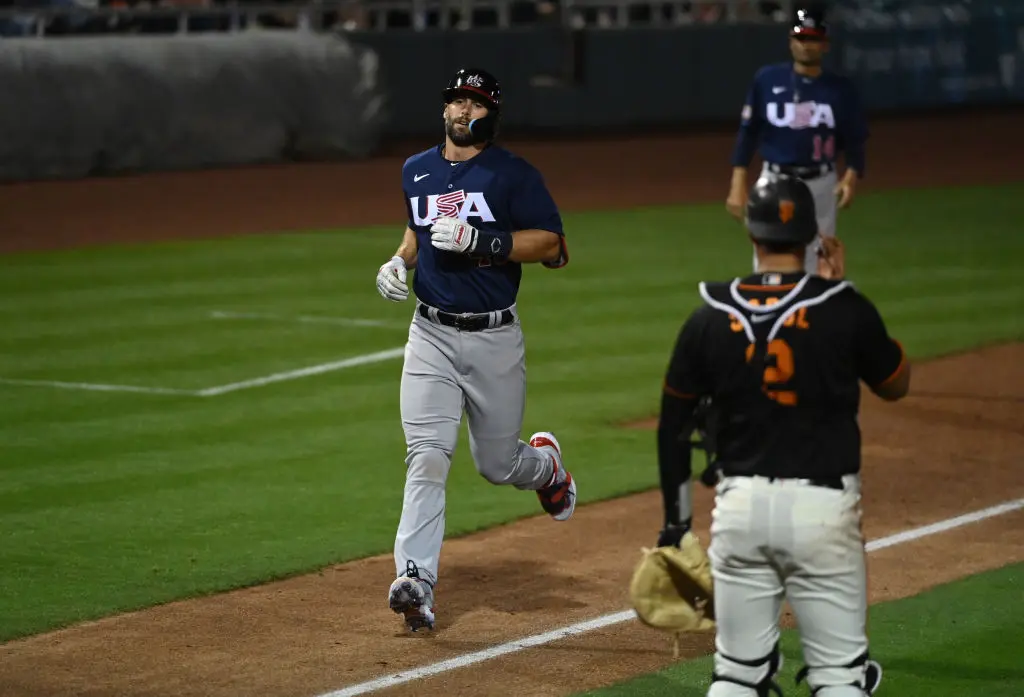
(461, 138)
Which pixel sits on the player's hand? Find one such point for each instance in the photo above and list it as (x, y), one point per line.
(736, 203)
(453, 235)
(844, 191)
(831, 258)
(672, 534)
(391, 280)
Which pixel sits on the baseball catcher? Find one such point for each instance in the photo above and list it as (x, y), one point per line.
(772, 363)
(671, 588)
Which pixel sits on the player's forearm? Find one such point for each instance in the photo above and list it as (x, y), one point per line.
(409, 248)
(535, 246)
(739, 177)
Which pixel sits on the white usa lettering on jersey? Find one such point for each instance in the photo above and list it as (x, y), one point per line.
(800, 115)
(455, 204)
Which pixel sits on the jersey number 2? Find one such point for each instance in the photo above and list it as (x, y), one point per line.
(778, 374)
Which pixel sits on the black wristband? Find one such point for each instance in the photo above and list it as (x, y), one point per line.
(493, 245)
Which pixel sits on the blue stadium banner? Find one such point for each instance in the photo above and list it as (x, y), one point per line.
(907, 54)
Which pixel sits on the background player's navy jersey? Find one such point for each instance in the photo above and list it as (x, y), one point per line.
(800, 120)
(795, 414)
(496, 191)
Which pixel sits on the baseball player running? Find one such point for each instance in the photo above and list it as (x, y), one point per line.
(802, 117)
(781, 354)
(477, 213)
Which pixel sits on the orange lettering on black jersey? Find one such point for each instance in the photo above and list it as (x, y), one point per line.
(801, 319)
(798, 319)
(778, 374)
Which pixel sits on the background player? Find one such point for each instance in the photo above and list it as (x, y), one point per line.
(781, 354)
(476, 214)
(802, 116)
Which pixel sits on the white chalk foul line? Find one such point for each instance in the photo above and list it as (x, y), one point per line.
(310, 319)
(365, 359)
(944, 525)
(619, 617)
(352, 362)
(479, 656)
(96, 387)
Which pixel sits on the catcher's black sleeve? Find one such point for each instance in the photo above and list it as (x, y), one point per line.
(686, 376)
(879, 357)
(675, 425)
(683, 386)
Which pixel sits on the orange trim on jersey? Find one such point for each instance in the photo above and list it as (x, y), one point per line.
(899, 369)
(788, 286)
(676, 393)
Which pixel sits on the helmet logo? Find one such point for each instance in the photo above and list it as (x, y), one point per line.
(475, 81)
(785, 210)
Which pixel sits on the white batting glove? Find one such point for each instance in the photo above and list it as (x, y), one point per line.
(391, 280)
(453, 235)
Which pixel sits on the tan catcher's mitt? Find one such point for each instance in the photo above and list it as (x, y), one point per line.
(672, 589)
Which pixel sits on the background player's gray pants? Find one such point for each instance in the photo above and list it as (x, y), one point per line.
(446, 371)
(785, 539)
(825, 207)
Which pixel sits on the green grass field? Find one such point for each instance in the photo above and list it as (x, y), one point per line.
(111, 501)
(961, 639)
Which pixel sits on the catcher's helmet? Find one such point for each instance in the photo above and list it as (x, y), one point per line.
(809, 22)
(780, 209)
(478, 84)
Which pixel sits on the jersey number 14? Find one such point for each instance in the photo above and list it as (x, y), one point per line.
(824, 148)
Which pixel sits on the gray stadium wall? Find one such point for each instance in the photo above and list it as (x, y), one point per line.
(643, 77)
(552, 78)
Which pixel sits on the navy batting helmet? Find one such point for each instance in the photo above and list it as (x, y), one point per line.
(780, 209)
(480, 85)
(809, 22)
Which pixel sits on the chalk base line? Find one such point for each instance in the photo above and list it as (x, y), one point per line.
(217, 390)
(603, 621)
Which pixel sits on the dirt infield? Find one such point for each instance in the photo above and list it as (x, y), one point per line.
(950, 149)
(950, 448)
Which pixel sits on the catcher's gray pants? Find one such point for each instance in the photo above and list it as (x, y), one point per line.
(825, 207)
(448, 371)
(779, 539)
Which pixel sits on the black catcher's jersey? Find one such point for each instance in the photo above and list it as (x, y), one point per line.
(782, 355)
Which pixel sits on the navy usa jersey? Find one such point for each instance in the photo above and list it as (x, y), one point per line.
(801, 121)
(782, 357)
(495, 191)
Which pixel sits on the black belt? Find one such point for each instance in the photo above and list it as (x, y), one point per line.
(466, 322)
(802, 171)
(826, 482)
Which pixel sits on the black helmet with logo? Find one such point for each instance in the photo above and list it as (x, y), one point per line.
(809, 22)
(780, 209)
(481, 85)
